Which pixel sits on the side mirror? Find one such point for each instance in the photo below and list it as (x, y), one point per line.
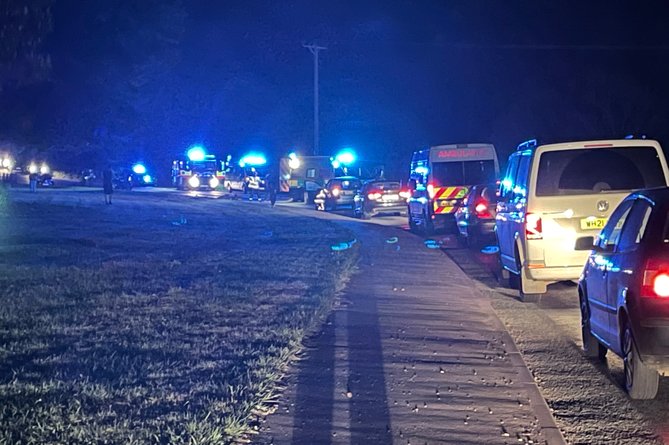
(585, 243)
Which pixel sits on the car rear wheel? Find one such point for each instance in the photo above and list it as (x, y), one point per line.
(641, 381)
(592, 347)
(428, 226)
(412, 224)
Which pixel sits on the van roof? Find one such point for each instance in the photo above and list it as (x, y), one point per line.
(627, 142)
(601, 144)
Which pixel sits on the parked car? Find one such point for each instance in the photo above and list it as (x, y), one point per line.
(338, 192)
(552, 194)
(624, 290)
(42, 173)
(87, 177)
(476, 217)
(380, 197)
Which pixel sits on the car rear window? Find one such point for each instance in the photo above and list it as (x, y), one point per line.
(598, 170)
(384, 185)
(463, 172)
(345, 184)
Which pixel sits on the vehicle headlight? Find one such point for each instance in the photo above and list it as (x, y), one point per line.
(147, 178)
(213, 182)
(194, 182)
(32, 168)
(335, 192)
(44, 169)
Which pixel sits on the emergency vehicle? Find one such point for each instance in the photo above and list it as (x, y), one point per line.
(248, 175)
(440, 179)
(197, 170)
(302, 177)
(6, 167)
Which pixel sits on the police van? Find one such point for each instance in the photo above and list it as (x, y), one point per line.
(440, 180)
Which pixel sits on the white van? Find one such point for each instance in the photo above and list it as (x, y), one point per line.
(552, 194)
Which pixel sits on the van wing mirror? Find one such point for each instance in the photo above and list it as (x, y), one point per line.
(585, 243)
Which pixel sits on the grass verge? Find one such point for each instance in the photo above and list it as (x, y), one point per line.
(157, 321)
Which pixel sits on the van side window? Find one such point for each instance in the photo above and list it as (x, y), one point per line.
(506, 187)
(520, 184)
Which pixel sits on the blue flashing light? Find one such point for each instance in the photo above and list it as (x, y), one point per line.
(196, 153)
(532, 143)
(346, 156)
(139, 169)
(422, 170)
(292, 155)
(336, 163)
(146, 178)
(254, 159)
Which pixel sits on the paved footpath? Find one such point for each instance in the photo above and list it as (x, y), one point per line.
(413, 354)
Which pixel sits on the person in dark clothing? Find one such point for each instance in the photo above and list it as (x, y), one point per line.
(270, 186)
(33, 181)
(107, 185)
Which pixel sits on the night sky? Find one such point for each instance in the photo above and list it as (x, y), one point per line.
(145, 81)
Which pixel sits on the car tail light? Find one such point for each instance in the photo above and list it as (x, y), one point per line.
(533, 229)
(405, 194)
(661, 285)
(430, 191)
(481, 209)
(655, 279)
(374, 196)
(336, 191)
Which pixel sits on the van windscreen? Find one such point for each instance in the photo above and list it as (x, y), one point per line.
(598, 170)
(462, 173)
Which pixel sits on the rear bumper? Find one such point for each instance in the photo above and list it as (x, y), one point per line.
(444, 219)
(652, 340)
(554, 273)
(388, 207)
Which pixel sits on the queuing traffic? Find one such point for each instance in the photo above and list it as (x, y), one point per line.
(590, 212)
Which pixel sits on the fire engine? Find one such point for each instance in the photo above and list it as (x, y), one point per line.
(440, 179)
(197, 170)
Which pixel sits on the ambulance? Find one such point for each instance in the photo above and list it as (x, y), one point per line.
(440, 179)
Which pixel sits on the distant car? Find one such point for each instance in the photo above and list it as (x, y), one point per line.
(476, 217)
(136, 176)
(624, 290)
(87, 176)
(42, 173)
(338, 192)
(380, 197)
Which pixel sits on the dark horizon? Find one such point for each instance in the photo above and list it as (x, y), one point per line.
(132, 81)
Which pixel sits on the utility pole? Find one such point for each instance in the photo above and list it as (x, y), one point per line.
(314, 49)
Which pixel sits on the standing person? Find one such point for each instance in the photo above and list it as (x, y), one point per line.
(107, 185)
(33, 181)
(270, 186)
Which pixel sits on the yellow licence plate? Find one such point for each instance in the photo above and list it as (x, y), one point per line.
(593, 223)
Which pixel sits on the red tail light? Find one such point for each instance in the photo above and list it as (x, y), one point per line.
(655, 279)
(533, 229)
(481, 209)
(335, 192)
(374, 195)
